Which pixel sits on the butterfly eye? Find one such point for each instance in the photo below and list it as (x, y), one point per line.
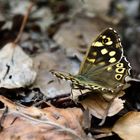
(107, 41)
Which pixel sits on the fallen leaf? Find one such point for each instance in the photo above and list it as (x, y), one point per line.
(97, 105)
(128, 126)
(31, 123)
(69, 34)
(49, 61)
(16, 68)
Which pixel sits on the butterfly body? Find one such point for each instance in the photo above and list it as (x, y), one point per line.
(104, 67)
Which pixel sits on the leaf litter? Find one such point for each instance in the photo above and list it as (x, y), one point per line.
(18, 70)
(16, 67)
(58, 123)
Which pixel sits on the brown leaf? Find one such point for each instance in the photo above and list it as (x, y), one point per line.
(76, 36)
(97, 105)
(49, 61)
(31, 123)
(128, 126)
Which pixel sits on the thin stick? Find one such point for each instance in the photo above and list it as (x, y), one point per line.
(23, 24)
(102, 135)
(3, 117)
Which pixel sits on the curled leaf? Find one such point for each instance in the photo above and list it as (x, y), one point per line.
(97, 105)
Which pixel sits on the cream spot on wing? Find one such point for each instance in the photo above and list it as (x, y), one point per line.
(109, 38)
(104, 36)
(104, 51)
(112, 60)
(94, 53)
(97, 44)
(120, 70)
(109, 68)
(118, 45)
(91, 60)
(119, 65)
(112, 53)
(109, 43)
(110, 28)
(102, 63)
(118, 76)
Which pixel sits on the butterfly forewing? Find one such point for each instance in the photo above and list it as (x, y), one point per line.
(105, 50)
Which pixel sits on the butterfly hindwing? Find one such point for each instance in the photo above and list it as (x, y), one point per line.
(110, 76)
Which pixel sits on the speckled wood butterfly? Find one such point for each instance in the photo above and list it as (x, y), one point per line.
(104, 67)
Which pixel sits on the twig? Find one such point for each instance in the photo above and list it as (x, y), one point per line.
(102, 135)
(3, 117)
(23, 24)
(45, 99)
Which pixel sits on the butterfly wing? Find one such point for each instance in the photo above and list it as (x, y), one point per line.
(104, 63)
(104, 66)
(111, 76)
(105, 50)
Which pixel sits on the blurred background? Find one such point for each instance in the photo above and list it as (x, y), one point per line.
(58, 32)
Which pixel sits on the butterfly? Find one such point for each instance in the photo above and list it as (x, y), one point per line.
(104, 68)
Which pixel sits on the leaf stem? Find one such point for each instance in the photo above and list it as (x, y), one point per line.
(23, 24)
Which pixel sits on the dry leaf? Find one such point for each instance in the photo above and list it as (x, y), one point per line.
(30, 123)
(97, 105)
(16, 68)
(68, 36)
(128, 126)
(53, 88)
